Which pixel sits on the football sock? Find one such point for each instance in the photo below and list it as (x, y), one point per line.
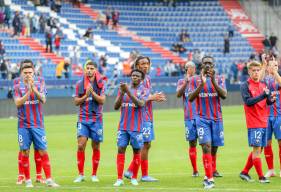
(207, 162)
(120, 164)
(131, 167)
(20, 167)
(25, 165)
(95, 161)
(193, 157)
(280, 155)
(258, 166)
(249, 164)
(38, 163)
(137, 162)
(80, 162)
(214, 163)
(269, 156)
(144, 167)
(46, 165)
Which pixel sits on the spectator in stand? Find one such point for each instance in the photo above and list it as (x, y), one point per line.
(35, 24)
(59, 69)
(158, 71)
(100, 21)
(2, 51)
(26, 24)
(7, 13)
(230, 31)
(57, 43)
(38, 68)
(13, 70)
(115, 18)
(273, 40)
(67, 68)
(3, 69)
(89, 33)
(58, 5)
(266, 43)
(44, 2)
(107, 16)
(184, 36)
(233, 73)
(169, 68)
(48, 39)
(42, 23)
(226, 44)
(2, 19)
(178, 48)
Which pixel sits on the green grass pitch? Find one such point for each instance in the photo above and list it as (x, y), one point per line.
(168, 156)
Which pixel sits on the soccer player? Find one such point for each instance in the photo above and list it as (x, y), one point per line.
(29, 95)
(207, 89)
(143, 64)
(273, 81)
(131, 98)
(37, 157)
(90, 98)
(256, 96)
(189, 114)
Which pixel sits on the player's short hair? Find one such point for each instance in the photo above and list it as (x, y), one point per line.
(189, 64)
(27, 63)
(140, 58)
(208, 56)
(253, 64)
(92, 63)
(137, 70)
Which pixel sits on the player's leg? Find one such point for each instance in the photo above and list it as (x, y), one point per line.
(40, 143)
(191, 137)
(204, 137)
(148, 137)
(279, 145)
(217, 141)
(136, 139)
(95, 160)
(38, 166)
(123, 139)
(268, 153)
(20, 170)
(25, 140)
(83, 133)
(96, 135)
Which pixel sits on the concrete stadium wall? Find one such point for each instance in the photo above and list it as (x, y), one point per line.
(57, 106)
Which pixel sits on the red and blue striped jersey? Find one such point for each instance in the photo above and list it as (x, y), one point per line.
(274, 109)
(30, 114)
(208, 101)
(132, 116)
(90, 110)
(148, 104)
(189, 107)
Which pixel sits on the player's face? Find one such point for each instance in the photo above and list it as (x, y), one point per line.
(254, 72)
(190, 70)
(207, 64)
(143, 65)
(136, 78)
(27, 74)
(90, 70)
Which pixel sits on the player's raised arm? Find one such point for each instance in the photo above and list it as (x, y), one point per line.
(220, 90)
(181, 87)
(19, 101)
(99, 98)
(41, 95)
(118, 100)
(193, 94)
(80, 100)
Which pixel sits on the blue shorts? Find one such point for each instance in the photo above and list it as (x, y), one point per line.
(190, 130)
(135, 139)
(93, 130)
(274, 126)
(257, 137)
(210, 131)
(28, 135)
(148, 131)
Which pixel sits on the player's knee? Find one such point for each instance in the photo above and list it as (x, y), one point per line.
(146, 145)
(192, 143)
(136, 151)
(214, 150)
(25, 152)
(206, 148)
(81, 146)
(121, 150)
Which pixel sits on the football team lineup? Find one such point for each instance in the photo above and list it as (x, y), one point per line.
(202, 118)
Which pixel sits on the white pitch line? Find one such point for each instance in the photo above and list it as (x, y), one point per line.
(149, 188)
(114, 175)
